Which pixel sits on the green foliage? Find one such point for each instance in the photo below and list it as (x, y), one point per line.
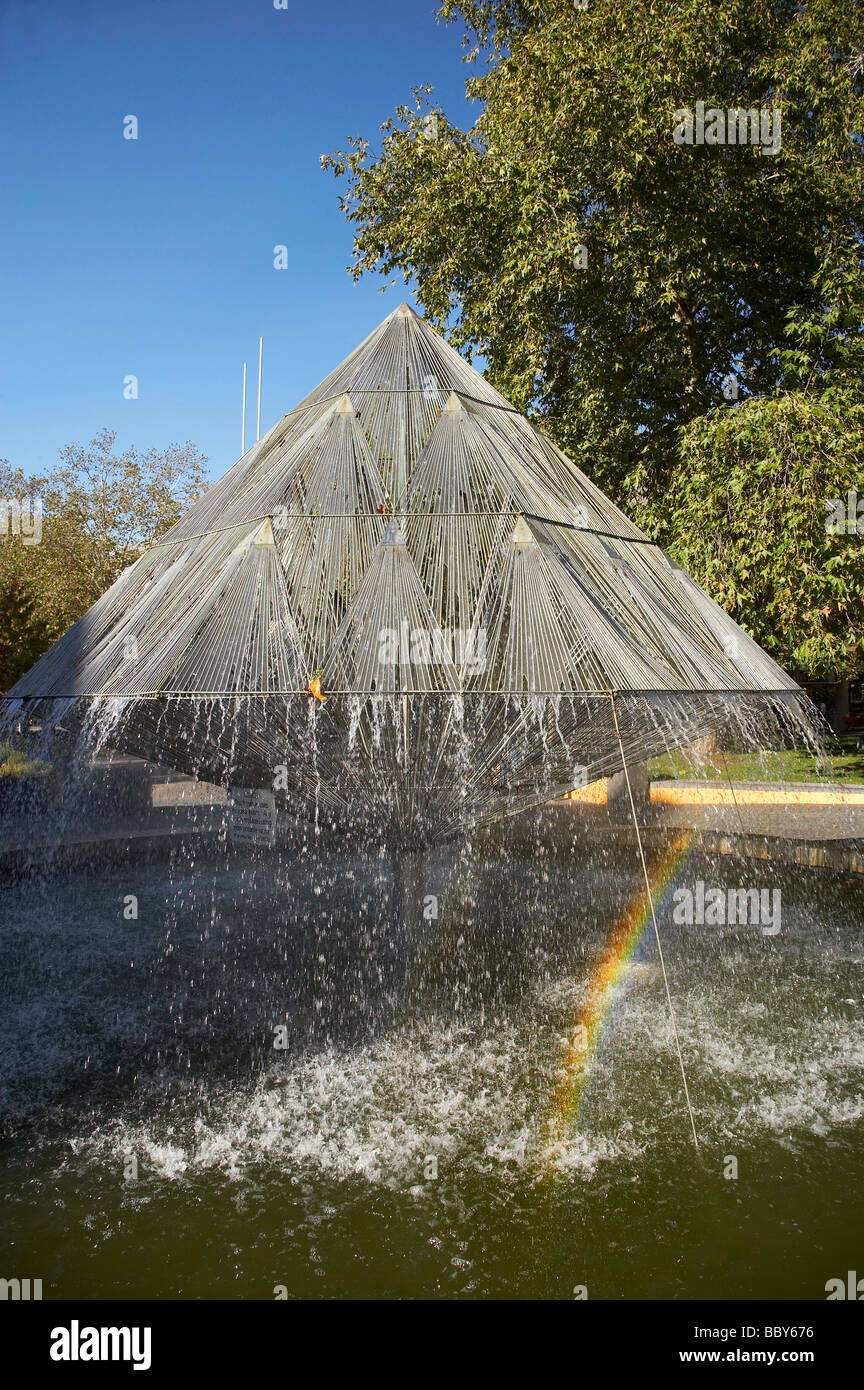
(24, 635)
(845, 764)
(747, 510)
(15, 763)
(696, 255)
(101, 509)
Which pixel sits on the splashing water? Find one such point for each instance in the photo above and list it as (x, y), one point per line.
(574, 1073)
(394, 1145)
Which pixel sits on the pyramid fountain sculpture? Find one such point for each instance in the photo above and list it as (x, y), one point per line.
(404, 608)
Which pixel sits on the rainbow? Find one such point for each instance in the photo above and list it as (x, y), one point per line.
(585, 1035)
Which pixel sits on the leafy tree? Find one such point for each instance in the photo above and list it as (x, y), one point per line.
(695, 256)
(747, 509)
(23, 634)
(101, 509)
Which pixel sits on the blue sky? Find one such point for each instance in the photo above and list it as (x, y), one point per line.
(155, 257)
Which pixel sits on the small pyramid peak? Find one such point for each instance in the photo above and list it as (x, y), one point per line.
(262, 535)
(345, 405)
(452, 405)
(521, 534)
(405, 312)
(392, 535)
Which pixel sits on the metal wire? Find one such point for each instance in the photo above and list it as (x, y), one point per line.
(469, 597)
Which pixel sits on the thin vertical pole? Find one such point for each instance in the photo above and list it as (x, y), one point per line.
(243, 423)
(734, 797)
(654, 920)
(260, 353)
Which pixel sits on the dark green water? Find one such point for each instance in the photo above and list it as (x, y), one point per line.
(308, 1167)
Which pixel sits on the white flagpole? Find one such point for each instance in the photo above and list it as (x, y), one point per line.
(260, 351)
(243, 425)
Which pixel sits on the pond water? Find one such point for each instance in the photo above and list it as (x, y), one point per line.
(307, 1073)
